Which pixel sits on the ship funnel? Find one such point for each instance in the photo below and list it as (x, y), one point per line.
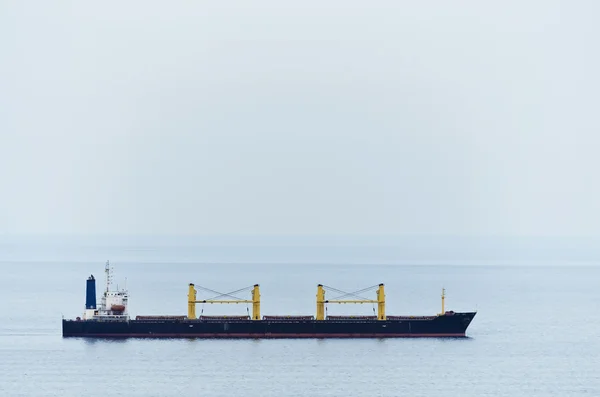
(90, 293)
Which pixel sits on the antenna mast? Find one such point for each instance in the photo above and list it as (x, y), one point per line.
(108, 276)
(443, 301)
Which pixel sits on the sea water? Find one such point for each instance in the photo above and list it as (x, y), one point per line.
(536, 332)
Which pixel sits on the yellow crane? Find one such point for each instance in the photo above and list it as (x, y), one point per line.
(321, 301)
(192, 301)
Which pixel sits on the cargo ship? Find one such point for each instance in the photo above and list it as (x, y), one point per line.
(110, 319)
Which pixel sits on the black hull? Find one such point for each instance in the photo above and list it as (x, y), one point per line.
(454, 325)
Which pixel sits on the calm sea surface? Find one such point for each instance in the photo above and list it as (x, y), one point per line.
(537, 333)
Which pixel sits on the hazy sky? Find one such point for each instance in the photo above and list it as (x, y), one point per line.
(313, 117)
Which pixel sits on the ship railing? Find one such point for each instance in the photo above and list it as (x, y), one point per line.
(109, 317)
(165, 317)
(351, 317)
(416, 318)
(275, 317)
(233, 318)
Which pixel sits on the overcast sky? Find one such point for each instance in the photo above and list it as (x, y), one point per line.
(309, 117)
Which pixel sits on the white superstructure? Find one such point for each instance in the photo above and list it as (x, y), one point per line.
(113, 304)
